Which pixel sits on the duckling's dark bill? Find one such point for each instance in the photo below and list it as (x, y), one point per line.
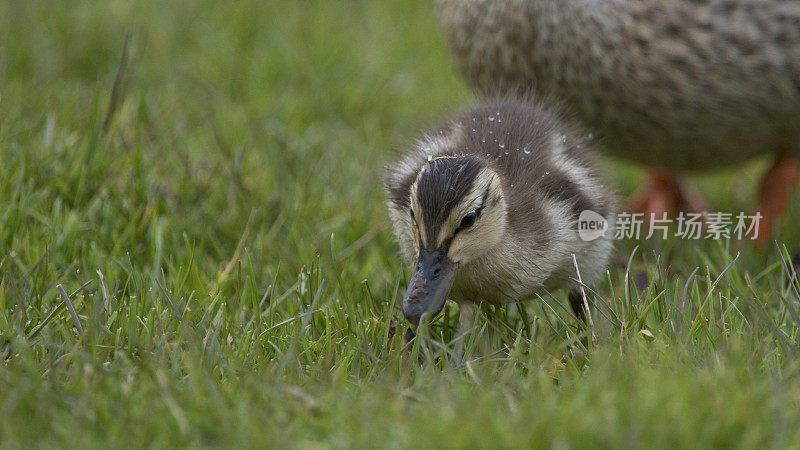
(429, 286)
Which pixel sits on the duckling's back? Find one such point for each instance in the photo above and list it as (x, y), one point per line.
(540, 155)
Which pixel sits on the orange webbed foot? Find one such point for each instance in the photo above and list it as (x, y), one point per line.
(776, 190)
(666, 192)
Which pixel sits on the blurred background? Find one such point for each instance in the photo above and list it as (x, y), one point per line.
(278, 113)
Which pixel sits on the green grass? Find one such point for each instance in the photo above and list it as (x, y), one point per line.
(243, 286)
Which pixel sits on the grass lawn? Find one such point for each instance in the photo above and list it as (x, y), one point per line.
(209, 197)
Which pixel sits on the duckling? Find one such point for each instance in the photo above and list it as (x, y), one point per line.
(485, 208)
(672, 85)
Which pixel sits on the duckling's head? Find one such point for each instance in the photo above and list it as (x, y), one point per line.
(457, 213)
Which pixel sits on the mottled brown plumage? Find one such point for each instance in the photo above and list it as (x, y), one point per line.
(679, 84)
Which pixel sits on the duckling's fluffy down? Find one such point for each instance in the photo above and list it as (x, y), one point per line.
(548, 177)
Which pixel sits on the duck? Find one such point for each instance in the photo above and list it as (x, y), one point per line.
(675, 86)
(486, 208)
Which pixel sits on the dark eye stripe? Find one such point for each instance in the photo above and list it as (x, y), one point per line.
(474, 214)
(485, 197)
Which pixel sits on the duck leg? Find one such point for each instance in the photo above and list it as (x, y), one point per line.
(581, 309)
(576, 302)
(667, 192)
(776, 190)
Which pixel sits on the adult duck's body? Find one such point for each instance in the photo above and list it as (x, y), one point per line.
(674, 85)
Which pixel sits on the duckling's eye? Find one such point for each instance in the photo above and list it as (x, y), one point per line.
(468, 220)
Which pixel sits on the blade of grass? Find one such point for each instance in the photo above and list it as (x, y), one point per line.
(75, 319)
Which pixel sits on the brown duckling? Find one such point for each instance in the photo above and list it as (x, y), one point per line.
(486, 208)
